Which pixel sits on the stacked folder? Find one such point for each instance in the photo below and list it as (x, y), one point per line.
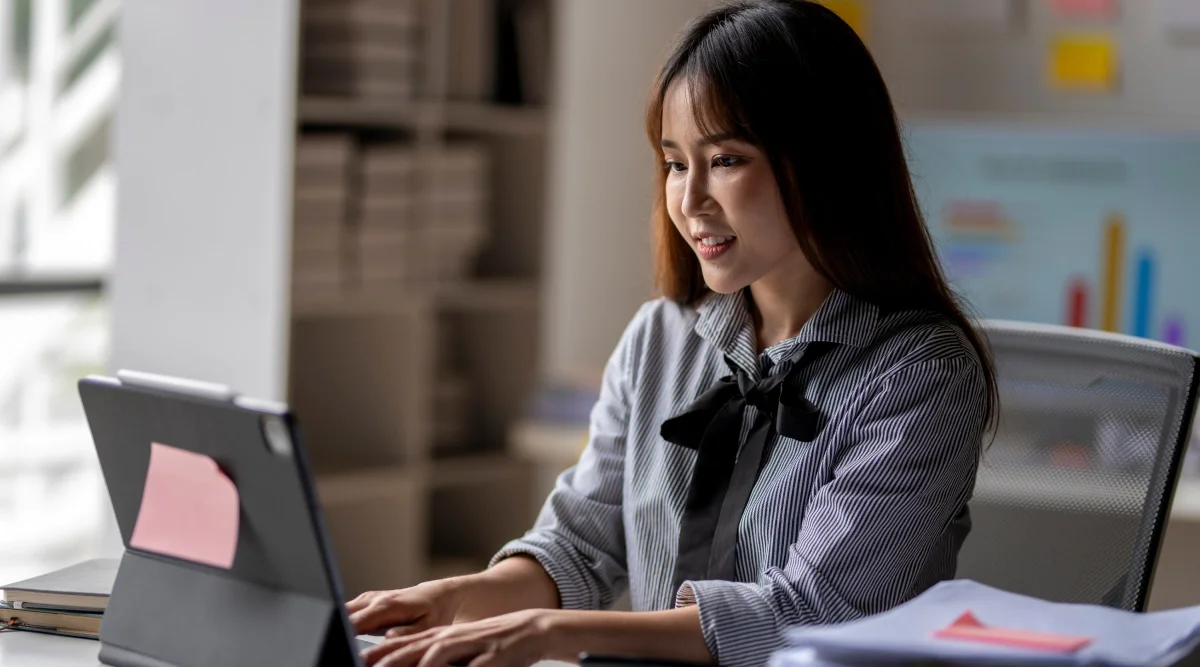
(360, 48)
(69, 602)
(457, 210)
(386, 238)
(324, 164)
(422, 216)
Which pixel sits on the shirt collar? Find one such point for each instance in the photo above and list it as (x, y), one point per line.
(724, 321)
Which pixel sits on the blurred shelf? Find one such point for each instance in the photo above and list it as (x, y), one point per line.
(352, 486)
(495, 118)
(469, 469)
(546, 443)
(444, 567)
(1186, 505)
(460, 116)
(358, 482)
(493, 294)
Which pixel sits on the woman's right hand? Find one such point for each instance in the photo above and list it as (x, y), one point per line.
(407, 610)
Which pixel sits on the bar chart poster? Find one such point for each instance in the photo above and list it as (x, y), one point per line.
(1090, 228)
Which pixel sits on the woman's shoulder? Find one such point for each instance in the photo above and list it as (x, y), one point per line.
(664, 315)
(910, 337)
(659, 322)
(659, 327)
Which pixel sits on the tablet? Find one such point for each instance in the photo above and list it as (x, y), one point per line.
(280, 600)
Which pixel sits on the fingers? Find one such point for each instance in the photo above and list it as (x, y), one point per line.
(361, 601)
(408, 630)
(433, 648)
(457, 651)
(401, 652)
(382, 612)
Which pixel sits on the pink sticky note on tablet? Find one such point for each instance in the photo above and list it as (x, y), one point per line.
(189, 508)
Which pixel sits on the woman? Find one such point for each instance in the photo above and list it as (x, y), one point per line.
(790, 435)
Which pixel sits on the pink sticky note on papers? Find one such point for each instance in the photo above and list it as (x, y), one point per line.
(189, 508)
(968, 628)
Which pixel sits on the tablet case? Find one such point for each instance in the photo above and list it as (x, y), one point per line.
(281, 602)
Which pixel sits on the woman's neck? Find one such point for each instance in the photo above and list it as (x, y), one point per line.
(782, 307)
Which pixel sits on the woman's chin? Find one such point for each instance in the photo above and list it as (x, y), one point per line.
(723, 284)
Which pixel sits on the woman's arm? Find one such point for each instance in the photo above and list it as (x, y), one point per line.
(658, 635)
(512, 585)
(525, 637)
(573, 558)
(579, 537)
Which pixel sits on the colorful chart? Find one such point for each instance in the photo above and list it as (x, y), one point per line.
(1084, 228)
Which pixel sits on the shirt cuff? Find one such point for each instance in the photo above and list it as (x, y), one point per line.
(738, 622)
(576, 590)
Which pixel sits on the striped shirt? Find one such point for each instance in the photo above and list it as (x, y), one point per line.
(868, 514)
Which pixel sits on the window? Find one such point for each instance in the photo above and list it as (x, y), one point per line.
(57, 209)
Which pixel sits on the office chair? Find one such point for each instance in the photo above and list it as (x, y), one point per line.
(1072, 494)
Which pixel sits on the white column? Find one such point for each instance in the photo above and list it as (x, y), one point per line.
(204, 132)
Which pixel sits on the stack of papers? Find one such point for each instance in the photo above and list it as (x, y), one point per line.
(963, 622)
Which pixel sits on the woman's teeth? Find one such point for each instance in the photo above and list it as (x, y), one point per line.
(716, 240)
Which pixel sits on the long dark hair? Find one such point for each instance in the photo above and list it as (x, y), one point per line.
(792, 78)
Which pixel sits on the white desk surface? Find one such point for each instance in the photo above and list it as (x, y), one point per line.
(27, 649)
(32, 649)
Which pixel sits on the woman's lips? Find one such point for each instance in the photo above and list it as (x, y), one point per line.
(710, 251)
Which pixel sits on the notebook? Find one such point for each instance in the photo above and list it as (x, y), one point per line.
(82, 587)
(71, 623)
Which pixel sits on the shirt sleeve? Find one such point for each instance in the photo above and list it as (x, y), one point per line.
(579, 535)
(872, 534)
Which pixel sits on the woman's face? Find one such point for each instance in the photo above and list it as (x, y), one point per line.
(722, 196)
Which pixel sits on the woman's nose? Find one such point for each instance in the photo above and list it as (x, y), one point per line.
(697, 200)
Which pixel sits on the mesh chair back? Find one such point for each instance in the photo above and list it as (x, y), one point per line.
(1073, 492)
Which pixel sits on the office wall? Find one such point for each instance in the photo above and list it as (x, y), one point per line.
(203, 144)
(597, 262)
(938, 61)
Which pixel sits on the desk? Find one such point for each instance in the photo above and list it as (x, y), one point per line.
(31, 649)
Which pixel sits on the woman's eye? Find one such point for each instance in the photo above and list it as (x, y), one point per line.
(677, 167)
(725, 161)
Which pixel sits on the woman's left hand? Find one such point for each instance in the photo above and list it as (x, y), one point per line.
(512, 640)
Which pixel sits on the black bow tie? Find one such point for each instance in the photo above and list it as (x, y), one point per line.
(722, 478)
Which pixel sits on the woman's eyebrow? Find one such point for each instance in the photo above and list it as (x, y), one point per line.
(709, 140)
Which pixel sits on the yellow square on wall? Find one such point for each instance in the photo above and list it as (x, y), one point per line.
(1083, 62)
(853, 12)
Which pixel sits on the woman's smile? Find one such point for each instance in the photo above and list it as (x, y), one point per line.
(710, 247)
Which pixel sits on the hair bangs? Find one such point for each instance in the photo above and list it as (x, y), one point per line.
(712, 93)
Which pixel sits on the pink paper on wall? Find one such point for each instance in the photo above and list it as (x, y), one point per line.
(1100, 9)
(189, 508)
